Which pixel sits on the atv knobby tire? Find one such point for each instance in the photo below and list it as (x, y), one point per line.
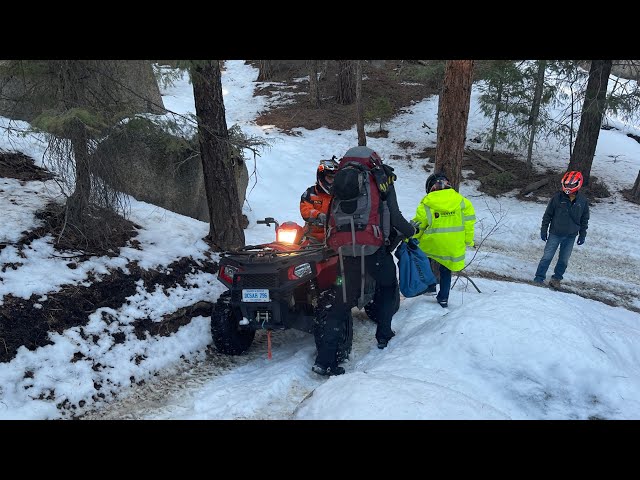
(228, 338)
(346, 337)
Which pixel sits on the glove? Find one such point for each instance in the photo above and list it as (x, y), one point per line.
(543, 236)
(412, 243)
(322, 218)
(416, 225)
(580, 240)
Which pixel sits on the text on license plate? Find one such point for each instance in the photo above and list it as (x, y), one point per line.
(255, 295)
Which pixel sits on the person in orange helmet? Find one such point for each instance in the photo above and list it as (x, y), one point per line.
(314, 202)
(566, 216)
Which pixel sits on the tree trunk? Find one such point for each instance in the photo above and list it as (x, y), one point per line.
(453, 114)
(323, 70)
(496, 117)
(225, 211)
(635, 191)
(362, 138)
(591, 119)
(265, 70)
(346, 82)
(535, 110)
(314, 92)
(74, 77)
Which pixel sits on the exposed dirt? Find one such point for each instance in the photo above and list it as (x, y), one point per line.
(394, 81)
(388, 81)
(28, 321)
(103, 233)
(20, 166)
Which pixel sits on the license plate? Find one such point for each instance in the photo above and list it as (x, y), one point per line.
(255, 295)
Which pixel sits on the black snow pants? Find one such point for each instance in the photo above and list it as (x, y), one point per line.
(381, 267)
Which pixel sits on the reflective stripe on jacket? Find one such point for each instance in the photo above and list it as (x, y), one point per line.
(446, 227)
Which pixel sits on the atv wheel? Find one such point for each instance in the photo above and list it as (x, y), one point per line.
(346, 338)
(371, 311)
(344, 347)
(227, 337)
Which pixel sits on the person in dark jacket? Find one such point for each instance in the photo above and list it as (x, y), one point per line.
(568, 215)
(379, 265)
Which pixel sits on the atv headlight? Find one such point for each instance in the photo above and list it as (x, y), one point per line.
(302, 270)
(287, 236)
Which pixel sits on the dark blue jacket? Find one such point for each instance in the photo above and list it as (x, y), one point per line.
(566, 217)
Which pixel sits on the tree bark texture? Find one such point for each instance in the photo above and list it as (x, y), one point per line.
(73, 82)
(346, 82)
(314, 92)
(225, 230)
(591, 118)
(535, 110)
(265, 70)
(496, 119)
(362, 137)
(453, 114)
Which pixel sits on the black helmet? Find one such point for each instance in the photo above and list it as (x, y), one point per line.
(437, 181)
(326, 170)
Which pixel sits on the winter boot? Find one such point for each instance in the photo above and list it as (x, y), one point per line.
(328, 371)
(443, 303)
(383, 342)
(554, 283)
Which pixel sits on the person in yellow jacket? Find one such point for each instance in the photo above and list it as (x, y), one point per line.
(445, 221)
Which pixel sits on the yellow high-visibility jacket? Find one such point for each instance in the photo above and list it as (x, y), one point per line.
(446, 227)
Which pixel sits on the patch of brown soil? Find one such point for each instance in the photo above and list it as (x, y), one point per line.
(28, 322)
(384, 81)
(516, 176)
(103, 231)
(20, 166)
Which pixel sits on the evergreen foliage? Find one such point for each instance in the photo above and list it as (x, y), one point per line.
(379, 111)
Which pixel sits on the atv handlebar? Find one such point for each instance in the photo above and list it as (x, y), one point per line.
(268, 221)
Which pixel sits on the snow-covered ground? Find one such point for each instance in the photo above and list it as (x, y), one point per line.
(513, 351)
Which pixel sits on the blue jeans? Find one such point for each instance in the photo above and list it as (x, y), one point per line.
(566, 246)
(445, 283)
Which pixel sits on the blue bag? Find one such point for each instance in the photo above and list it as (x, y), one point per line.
(415, 269)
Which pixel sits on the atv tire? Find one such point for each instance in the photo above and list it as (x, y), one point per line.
(227, 337)
(371, 311)
(346, 339)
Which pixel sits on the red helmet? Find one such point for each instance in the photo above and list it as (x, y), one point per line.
(571, 182)
(326, 170)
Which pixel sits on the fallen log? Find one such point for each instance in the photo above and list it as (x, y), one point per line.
(482, 157)
(534, 186)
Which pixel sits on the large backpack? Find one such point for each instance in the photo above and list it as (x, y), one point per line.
(359, 220)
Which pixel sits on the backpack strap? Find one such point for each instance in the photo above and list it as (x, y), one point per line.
(362, 275)
(344, 283)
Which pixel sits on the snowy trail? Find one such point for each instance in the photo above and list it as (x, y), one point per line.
(176, 395)
(603, 278)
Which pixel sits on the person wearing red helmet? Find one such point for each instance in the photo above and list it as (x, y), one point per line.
(314, 202)
(567, 214)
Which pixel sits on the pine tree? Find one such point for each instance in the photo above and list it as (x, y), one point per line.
(225, 230)
(593, 111)
(453, 115)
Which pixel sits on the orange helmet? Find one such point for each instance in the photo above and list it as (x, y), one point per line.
(571, 182)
